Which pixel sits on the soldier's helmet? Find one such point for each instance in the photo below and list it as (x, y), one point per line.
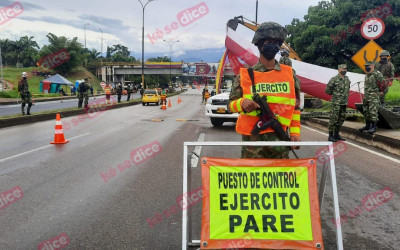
(384, 53)
(24, 74)
(269, 30)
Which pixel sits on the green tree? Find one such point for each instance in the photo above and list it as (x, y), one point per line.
(159, 59)
(330, 33)
(73, 47)
(119, 53)
(93, 55)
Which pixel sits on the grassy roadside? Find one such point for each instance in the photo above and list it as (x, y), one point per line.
(13, 75)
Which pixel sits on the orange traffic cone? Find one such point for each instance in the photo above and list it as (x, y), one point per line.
(59, 133)
(169, 103)
(163, 107)
(179, 100)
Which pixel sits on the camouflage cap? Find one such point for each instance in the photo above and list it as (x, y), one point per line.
(344, 66)
(368, 63)
(384, 53)
(269, 30)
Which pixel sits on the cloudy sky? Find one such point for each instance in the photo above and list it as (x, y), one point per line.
(121, 21)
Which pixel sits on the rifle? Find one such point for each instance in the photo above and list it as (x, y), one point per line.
(267, 118)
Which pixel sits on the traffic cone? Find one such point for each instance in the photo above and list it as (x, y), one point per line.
(169, 103)
(163, 107)
(59, 133)
(179, 100)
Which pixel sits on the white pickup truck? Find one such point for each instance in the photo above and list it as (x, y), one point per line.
(217, 111)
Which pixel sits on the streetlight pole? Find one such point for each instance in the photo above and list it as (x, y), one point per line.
(143, 7)
(101, 59)
(1, 69)
(256, 10)
(84, 31)
(171, 43)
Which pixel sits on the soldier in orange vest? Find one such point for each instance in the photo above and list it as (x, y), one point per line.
(279, 84)
(206, 95)
(107, 91)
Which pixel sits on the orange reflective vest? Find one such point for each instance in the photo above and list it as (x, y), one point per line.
(279, 88)
(107, 90)
(206, 95)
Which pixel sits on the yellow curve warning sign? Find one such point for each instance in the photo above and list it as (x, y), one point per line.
(271, 203)
(370, 52)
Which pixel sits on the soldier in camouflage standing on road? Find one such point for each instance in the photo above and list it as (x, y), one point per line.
(338, 87)
(268, 38)
(372, 94)
(83, 92)
(285, 58)
(23, 89)
(387, 70)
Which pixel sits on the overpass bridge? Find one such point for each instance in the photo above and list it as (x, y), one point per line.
(116, 71)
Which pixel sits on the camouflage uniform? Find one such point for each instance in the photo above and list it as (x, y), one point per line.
(83, 93)
(278, 152)
(285, 60)
(338, 86)
(387, 70)
(23, 88)
(129, 92)
(119, 92)
(371, 95)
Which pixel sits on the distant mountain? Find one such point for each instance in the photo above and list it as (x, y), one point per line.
(205, 55)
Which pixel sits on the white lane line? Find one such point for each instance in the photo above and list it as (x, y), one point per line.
(357, 146)
(37, 149)
(197, 150)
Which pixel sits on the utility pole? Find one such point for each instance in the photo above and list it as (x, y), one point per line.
(143, 7)
(256, 10)
(171, 43)
(1, 69)
(84, 31)
(101, 59)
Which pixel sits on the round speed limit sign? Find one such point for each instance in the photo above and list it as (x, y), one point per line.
(372, 29)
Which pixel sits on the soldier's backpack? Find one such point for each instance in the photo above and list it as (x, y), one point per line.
(82, 87)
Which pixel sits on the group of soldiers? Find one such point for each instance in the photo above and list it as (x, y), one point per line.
(377, 81)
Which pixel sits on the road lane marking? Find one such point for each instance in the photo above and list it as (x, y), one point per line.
(357, 146)
(37, 149)
(197, 150)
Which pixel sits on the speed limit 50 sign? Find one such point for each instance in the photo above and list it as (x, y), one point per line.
(372, 29)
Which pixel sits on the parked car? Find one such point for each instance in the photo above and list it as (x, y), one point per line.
(151, 96)
(217, 111)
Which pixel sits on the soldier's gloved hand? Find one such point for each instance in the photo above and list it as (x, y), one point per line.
(294, 139)
(381, 93)
(249, 105)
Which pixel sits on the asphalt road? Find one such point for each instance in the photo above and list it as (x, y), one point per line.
(73, 189)
(52, 105)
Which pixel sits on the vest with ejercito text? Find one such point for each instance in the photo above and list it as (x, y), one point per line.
(279, 88)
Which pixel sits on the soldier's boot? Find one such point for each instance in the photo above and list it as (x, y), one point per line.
(28, 109)
(366, 127)
(331, 137)
(372, 129)
(338, 138)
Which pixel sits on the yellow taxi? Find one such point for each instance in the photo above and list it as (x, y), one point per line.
(151, 96)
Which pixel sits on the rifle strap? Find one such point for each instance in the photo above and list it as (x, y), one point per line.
(251, 74)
